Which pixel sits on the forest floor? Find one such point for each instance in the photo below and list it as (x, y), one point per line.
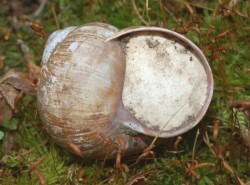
(217, 151)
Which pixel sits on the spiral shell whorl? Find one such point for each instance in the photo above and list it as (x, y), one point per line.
(76, 97)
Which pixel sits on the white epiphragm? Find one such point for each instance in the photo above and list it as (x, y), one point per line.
(163, 81)
(54, 39)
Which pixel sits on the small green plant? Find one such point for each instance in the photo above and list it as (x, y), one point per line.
(1, 135)
(10, 124)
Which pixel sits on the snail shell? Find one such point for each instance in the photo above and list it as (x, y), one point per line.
(80, 87)
(98, 84)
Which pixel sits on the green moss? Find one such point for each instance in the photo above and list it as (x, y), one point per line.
(229, 69)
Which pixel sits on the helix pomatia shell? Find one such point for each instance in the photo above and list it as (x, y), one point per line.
(80, 89)
(131, 83)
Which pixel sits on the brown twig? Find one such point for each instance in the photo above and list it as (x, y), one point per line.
(160, 131)
(40, 8)
(108, 140)
(192, 169)
(190, 9)
(194, 28)
(147, 9)
(195, 142)
(33, 166)
(176, 143)
(76, 150)
(210, 31)
(40, 177)
(34, 70)
(54, 14)
(122, 147)
(138, 14)
(138, 177)
(222, 34)
(216, 129)
(217, 152)
(148, 150)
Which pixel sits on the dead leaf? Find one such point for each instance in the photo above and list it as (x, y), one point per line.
(13, 85)
(10, 94)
